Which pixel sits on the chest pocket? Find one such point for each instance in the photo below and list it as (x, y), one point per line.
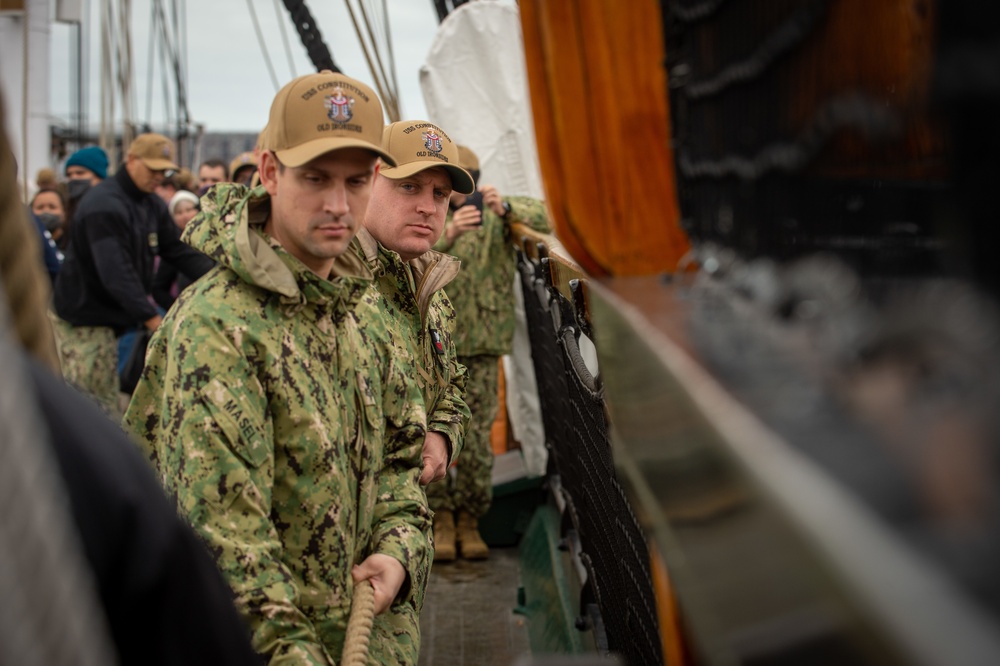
(370, 403)
(249, 432)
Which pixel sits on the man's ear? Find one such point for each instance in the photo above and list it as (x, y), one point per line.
(378, 166)
(269, 171)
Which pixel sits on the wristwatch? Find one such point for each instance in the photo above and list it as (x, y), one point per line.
(506, 210)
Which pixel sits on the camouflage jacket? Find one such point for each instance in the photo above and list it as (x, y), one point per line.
(264, 407)
(483, 291)
(421, 320)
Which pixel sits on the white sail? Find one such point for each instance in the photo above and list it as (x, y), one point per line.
(475, 86)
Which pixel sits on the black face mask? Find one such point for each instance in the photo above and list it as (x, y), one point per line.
(50, 220)
(76, 188)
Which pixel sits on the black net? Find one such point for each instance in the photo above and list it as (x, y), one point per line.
(576, 432)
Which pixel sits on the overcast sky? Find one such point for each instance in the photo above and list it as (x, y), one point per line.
(230, 88)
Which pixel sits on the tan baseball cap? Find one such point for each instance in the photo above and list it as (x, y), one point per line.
(155, 151)
(419, 145)
(468, 159)
(243, 159)
(317, 113)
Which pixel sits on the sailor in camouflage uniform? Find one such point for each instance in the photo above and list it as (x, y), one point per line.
(271, 405)
(484, 302)
(405, 218)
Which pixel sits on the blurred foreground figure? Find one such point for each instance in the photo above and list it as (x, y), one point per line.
(95, 566)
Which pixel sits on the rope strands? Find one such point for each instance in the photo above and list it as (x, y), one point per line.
(263, 46)
(284, 38)
(689, 13)
(359, 625)
(311, 38)
(392, 55)
(785, 38)
(116, 77)
(382, 81)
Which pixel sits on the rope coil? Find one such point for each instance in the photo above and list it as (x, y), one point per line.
(359, 625)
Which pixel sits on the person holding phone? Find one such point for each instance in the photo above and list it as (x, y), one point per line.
(477, 232)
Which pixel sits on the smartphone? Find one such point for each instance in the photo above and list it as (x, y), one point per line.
(474, 199)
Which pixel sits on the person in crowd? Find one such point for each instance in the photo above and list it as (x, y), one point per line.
(183, 207)
(169, 282)
(405, 218)
(212, 172)
(478, 233)
(83, 169)
(46, 179)
(87, 164)
(49, 206)
(47, 212)
(243, 167)
(185, 180)
(271, 406)
(154, 587)
(119, 228)
(169, 186)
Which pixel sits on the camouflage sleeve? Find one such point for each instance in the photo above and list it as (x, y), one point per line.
(401, 526)
(215, 456)
(531, 212)
(450, 414)
(443, 245)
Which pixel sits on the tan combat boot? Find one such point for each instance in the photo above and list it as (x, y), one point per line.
(444, 536)
(473, 546)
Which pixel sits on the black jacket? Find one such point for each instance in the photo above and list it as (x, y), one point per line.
(166, 277)
(117, 232)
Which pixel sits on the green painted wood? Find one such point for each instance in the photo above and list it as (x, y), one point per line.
(551, 590)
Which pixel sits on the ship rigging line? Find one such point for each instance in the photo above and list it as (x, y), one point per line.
(263, 46)
(305, 25)
(284, 38)
(382, 82)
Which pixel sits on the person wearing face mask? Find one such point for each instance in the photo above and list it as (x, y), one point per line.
(49, 206)
(48, 213)
(84, 168)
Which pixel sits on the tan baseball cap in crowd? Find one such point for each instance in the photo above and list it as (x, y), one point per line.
(418, 145)
(155, 151)
(467, 159)
(317, 113)
(243, 159)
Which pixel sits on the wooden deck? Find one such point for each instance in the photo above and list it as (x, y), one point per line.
(468, 615)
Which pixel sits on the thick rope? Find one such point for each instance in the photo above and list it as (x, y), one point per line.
(359, 625)
(25, 283)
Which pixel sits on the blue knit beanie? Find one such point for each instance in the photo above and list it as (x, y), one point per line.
(91, 157)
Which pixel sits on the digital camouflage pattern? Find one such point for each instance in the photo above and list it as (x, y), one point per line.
(88, 356)
(276, 417)
(471, 487)
(483, 291)
(483, 297)
(421, 320)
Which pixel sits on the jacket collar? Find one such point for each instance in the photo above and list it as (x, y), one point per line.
(430, 272)
(128, 185)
